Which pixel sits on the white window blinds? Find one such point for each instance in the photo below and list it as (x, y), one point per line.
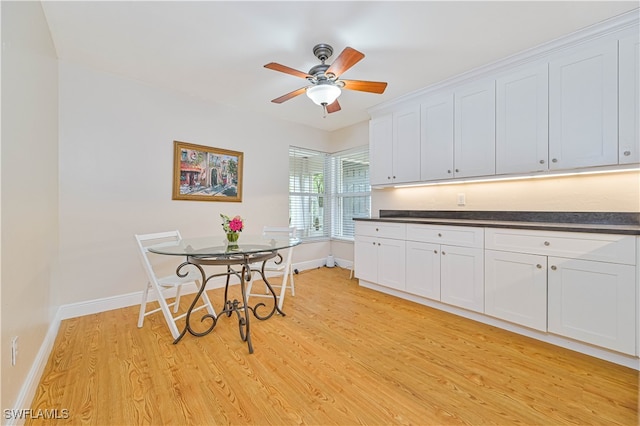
(326, 191)
(307, 209)
(350, 190)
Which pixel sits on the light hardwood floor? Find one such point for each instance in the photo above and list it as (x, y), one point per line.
(343, 355)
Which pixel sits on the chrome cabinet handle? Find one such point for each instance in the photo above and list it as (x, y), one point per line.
(449, 171)
(443, 253)
(553, 267)
(457, 170)
(435, 251)
(539, 266)
(547, 243)
(439, 234)
(541, 161)
(554, 160)
(627, 153)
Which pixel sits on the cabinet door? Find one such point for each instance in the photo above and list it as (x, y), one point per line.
(381, 149)
(391, 263)
(475, 130)
(436, 141)
(629, 72)
(515, 288)
(522, 117)
(462, 277)
(423, 269)
(583, 108)
(406, 145)
(594, 302)
(365, 260)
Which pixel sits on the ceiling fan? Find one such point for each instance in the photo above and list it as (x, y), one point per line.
(325, 83)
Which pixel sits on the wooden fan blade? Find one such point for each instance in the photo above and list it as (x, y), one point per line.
(365, 86)
(289, 95)
(287, 70)
(348, 58)
(334, 107)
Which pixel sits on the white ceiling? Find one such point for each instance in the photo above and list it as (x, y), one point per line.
(216, 50)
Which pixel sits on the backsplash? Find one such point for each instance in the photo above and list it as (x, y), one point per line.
(608, 218)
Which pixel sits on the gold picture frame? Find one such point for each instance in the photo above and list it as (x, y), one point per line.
(203, 173)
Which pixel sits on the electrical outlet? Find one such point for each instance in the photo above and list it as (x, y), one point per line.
(461, 199)
(14, 350)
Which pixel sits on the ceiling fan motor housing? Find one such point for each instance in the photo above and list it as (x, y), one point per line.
(322, 51)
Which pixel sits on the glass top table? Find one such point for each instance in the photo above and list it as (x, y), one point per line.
(219, 247)
(242, 259)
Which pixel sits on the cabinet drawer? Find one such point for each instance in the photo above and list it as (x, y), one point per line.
(382, 229)
(450, 235)
(599, 247)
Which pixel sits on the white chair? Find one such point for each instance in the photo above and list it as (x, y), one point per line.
(163, 285)
(273, 269)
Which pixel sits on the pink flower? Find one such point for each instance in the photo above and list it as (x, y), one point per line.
(236, 224)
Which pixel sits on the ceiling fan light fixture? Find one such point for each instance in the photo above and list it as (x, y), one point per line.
(323, 94)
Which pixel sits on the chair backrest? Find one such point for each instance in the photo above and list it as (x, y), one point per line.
(160, 238)
(279, 231)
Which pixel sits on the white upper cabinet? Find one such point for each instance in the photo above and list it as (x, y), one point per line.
(406, 145)
(583, 107)
(475, 129)
(629, 114)
(381, 149)
(522, 117)
(436, 142)
(395, 147)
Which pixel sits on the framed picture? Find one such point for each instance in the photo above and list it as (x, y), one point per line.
(202, 173)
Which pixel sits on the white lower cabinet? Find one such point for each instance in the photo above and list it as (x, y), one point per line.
(589, 281)
(578, 285)
(452, 274)
(379, 259)
(594, 302)
(516, 288)
(462, 278)
(423, 269)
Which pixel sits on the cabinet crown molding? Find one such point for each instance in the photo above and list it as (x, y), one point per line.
(627, 22)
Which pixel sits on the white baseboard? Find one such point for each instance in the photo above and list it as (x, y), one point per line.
(30, 385)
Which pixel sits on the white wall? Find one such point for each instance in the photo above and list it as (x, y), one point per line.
(29, 169)
(116, 167)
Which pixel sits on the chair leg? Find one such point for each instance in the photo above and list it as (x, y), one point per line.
(143, 305)
(293, 288)
(207, 302)
(176, 304)
(283, 289)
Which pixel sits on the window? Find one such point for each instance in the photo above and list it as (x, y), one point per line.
(350, 190)
(306, 193)
(326, 191)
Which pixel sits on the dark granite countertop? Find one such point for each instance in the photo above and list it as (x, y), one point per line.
(595, 222)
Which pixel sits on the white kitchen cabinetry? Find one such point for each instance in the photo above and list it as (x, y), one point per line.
(583, 107)
(590, 283)
(594, 302)
(516, 288)
(629, 101)
(423, 269)
(436, 141)
(446, 263)
(381, 149)
(395, 147)
(475, 129)
(379, 255)
(522, 117)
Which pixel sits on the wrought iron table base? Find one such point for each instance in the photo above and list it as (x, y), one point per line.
(241, 308)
